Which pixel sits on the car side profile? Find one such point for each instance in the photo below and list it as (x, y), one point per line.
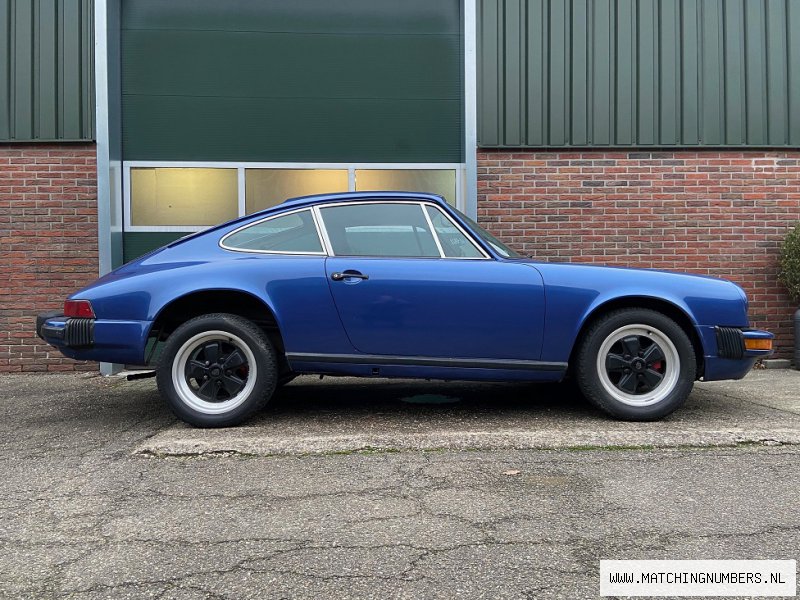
(398, 284)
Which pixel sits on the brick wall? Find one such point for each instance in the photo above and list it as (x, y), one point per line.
(713, 213)
(48, 244)
(717, 213)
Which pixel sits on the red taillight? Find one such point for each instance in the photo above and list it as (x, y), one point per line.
(78, 308)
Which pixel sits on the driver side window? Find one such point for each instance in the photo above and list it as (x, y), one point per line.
(379, 229)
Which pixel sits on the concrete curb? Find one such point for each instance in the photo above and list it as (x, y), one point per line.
(777, 363)
(355, 415)
(197, 443)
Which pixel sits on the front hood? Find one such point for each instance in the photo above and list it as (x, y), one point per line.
(627, 272)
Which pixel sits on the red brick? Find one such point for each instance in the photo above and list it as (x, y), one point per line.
(48, 199)
(712, 213)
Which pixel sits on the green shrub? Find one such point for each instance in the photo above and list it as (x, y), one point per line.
(789, 274)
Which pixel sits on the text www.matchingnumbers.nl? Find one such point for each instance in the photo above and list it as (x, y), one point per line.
(698, 577)
(719, 578)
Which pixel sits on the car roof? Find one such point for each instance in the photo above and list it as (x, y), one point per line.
(354, 196)
(302, 201)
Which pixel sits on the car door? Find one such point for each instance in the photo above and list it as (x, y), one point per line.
(402, 290)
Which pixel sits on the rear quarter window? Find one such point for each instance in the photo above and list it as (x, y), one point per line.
(295, 233)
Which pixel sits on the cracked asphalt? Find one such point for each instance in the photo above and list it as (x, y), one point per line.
(104, 495)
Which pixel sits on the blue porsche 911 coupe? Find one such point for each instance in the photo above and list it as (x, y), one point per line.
(398, 284)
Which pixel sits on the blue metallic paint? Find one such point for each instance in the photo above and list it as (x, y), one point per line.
(575, 292)
(114, 341)
(437, 307)
(492, 309)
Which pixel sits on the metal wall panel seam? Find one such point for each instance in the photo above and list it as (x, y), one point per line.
(670, 73)
(36, 91)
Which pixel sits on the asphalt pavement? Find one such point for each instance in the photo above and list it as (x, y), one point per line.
(374, 489)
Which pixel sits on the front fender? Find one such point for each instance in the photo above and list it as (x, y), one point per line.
(575, 293)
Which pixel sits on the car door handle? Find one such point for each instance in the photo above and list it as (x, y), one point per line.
(348, 275)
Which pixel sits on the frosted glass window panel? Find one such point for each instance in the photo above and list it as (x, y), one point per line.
(433, 181)
(183, 196)
(265, 188)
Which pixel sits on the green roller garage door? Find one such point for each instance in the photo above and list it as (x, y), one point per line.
(310, 81)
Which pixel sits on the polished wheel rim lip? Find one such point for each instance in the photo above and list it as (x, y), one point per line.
(671, 365)
(189, 395)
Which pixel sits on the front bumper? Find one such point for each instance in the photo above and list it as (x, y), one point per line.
(100, 340)
(732, 359)
(732, 342)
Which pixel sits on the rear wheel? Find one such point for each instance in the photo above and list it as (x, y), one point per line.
(217, 370)
(636, 364)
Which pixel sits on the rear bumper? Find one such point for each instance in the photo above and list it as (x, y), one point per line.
(99, 340)
(58, 330)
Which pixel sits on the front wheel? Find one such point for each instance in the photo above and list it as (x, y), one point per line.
(217, 370)
(636, 364)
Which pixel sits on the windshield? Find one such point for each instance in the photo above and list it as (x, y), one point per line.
(487, 237)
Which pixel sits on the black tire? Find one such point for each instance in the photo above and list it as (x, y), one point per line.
(638, 346)
(217, 370)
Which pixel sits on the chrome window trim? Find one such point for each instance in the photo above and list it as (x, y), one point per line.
(434, 233)
(326, 241)
(421, 204)
(280, 252)
(321, 232)
(463, 231)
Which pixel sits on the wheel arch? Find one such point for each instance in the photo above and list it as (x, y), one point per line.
(665, 307)
(217, 300)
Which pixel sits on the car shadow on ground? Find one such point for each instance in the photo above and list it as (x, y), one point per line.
(398, 399)
(309, 416)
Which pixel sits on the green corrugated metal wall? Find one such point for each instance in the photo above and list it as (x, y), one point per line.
(46, 70)
(639, 73)
(310, 81)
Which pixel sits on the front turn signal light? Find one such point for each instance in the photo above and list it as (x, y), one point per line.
(758, 344)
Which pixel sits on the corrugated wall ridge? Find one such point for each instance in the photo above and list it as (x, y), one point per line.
(46, 70)
(639, 73)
